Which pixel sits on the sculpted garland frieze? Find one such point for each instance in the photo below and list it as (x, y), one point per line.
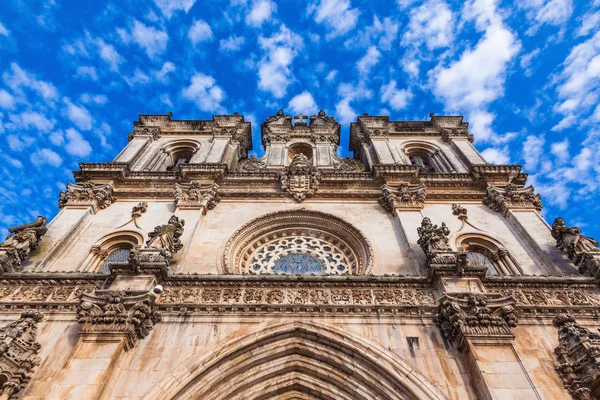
(87, 193)
(553, 297)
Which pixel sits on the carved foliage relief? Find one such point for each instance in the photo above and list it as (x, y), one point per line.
(87, 193)
(502, 199)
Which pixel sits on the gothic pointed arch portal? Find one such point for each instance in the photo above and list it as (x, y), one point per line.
(295, 360)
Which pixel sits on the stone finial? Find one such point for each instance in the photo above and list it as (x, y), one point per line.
(19, 351)
(19, 244)
(577, 357)
(581, 249)
(475, 315)
(300, 178)
(196, 195)
(117, 313)
(87, 193)
(503, 199)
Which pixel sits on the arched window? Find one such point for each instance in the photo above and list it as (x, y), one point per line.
(112, 248)
(172, 155)
(180, 157)
(484, 251)
(298, 242)
(300, 148)
(428, 157)
(116, 256)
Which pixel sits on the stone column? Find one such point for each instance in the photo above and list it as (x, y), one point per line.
(481, 326)
(111, 322)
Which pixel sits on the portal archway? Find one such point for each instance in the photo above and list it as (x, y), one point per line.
(313, 360)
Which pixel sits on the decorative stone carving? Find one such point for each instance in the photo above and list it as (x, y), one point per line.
(19, 352)
(113, 313)
(300, 178)
(167, 236)
(434, 242)
(87, 193)
(139, 209)
(459, 211)
(19, 244)
(408, 197)
(578, 358)
(251, 164)
(581, 249)
(349, 165)
(195, 194)
(502, 199)
(475, 315)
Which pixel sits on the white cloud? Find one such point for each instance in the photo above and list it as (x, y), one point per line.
(561, 150)
(17, 79)
(167, 68)
(76, 144)
(17, 143)
(7, 101)
(432, 24)
(32, 119)
(109, 54)
(57, 138)
(348, 93)
(274, 68)
(99, 99)
(331, 75)
(167, 7)
(200, 32)
(397, 99)
(3, 30)
(45, 156)
(478, 77)
(368, 61)
(152, 40)
(381, 34)
(303, 103)
(138, 78)
(551, 12)
(589, 24)
(533, 150)
(231, 44)
(577, 84)
(204, 91)
(79, 115)
(335, 14)
(87, 72)
(496, 156)
(260, 12)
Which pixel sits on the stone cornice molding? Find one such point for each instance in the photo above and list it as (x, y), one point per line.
(499, 175)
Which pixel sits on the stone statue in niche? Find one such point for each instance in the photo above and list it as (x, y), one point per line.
(432, 237)
(167, 236)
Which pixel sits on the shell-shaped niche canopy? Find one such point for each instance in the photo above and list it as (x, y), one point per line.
(298, 242)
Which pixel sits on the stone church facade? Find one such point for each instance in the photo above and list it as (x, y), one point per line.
(186, 269)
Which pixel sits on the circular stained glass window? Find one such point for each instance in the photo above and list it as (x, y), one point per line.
(298, 263)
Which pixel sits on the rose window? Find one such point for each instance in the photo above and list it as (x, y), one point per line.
(299, 255)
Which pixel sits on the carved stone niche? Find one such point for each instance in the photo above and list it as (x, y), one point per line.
(116, 314)
(155, 257)
(300, 179)
(503, 199)
(196, 195)
(476, 316)
(19, 244)
(581, 249)
(18, 352)
(97, 195)
(578, 358)
(408, 197)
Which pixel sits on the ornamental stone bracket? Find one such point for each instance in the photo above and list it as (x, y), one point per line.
(503, 199)
(300, 179)
(581, 249)
(18, 245)
(196, 195)
(409, 197)
(97, 195)
(19, 352)
(115, 314)
(578, 358)
(155, 257)
(476, 316)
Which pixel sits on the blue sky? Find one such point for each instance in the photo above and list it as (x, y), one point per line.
(74, 75)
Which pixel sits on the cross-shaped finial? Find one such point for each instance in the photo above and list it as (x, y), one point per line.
(300, 120)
